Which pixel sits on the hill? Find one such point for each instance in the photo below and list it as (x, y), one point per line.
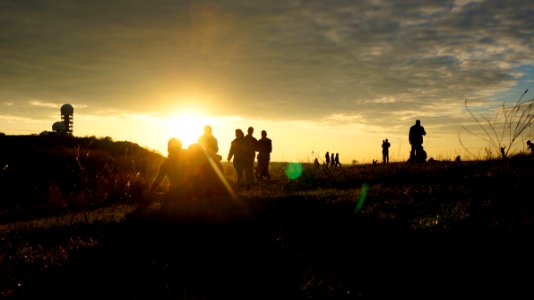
(41, 174)
(435, 230)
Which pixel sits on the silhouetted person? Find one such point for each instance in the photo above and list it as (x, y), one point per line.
(265, 147)
(333, 160)
(251, 148)
(503, 154)
(208, 141)
(174, 168)
(416, 139)
(385, 151)
(316, 163)
(327, 159)
(238, 151)
(530, 146)
(210, 145)
(336, 160)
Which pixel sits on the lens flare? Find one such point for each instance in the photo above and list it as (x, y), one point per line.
(361, 199)
(293, 170)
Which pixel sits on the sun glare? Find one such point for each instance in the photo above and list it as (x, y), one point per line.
(188, 126)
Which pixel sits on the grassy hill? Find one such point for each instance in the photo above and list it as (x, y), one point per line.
(41, 174)
(435, 230)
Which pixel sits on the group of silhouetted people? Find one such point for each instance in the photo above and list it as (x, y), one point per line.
(331, 160)
(243, 152)
(186, 168)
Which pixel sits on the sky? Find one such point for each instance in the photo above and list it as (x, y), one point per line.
(337, 76)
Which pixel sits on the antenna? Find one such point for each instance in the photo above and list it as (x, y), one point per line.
(67, 115)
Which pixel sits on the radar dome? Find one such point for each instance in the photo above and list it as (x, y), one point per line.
(67, 109)
(59, 127)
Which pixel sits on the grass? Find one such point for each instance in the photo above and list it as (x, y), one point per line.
(436, 230)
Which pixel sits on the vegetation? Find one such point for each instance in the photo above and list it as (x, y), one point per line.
(503, 131)
(431, 230)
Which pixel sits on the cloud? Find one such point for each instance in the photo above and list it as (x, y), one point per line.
(38, 103)
(283, 60)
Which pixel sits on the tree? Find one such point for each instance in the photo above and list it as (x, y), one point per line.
(503, 132)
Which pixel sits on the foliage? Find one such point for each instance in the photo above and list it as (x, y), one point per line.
(44, 174)
(503, 131)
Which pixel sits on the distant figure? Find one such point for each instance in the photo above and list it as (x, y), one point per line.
(385, 151)
(238, 153)
(503, 154)
(333, 160)
(265, 147)
(174, 168)
(251, 148)
(316, 164)
(336, 160)
(327, 158)
(530, 146)
(416, 140)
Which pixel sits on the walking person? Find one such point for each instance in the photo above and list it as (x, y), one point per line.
(385, 151)
(416, 140)
(336, 160)
(238, 153)
(333, 160)
(250, 154)
(265, 147)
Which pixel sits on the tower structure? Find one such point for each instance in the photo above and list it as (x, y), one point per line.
(67, 115)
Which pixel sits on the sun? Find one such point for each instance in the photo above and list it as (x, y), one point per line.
(188, 126)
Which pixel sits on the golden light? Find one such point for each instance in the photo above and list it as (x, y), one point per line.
(188, 126)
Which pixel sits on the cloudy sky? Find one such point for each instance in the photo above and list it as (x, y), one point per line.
(319, 76)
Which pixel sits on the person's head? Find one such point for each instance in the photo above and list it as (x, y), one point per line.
(250, 130)
(207, 129)
(417, 122)
(239, 133)
(386, 140)
(529, 142)
(174, 146)
(263, 133)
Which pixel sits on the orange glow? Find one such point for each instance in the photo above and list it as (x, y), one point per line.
(187, 125)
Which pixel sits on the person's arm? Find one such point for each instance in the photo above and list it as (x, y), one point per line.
(216, 145)
(231, 153)
(158, 179)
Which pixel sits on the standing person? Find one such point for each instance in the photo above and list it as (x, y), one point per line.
(385, 151)
(208, 141)
(333, 160)
(416, 139)
(251, 147)
(265, 147)
(210, 144)
(327, 158)
(337, 163)
(238, 153)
